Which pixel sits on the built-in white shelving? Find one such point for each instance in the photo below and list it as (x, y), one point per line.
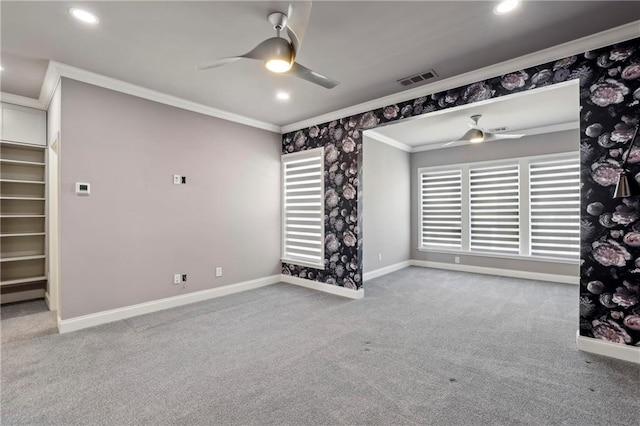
(22, 215)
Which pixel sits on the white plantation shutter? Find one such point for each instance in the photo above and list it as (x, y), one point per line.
(303, 208)
(494, 208)
(554, 192)
(441, 208)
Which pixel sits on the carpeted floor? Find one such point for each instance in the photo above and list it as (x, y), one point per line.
(423, 347)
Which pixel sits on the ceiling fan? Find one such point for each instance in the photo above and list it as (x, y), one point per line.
(477, 134)
(278, 53)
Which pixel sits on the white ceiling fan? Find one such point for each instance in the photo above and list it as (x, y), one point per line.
(278, 53)
(477, 134)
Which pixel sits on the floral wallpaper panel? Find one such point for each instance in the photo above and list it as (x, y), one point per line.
(609, 80)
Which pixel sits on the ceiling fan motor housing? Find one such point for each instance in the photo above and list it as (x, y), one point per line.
(279, 48)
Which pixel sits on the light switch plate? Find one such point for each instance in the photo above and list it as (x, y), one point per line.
(83, 188)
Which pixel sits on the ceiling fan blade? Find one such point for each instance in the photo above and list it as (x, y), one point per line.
(260, 52)
(448, 143)
(497, 136)
(217, 63)
(312, 76)
(298, 19)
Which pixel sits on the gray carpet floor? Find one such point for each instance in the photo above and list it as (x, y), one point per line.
(423, 347)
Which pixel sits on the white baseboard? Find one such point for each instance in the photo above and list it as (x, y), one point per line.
(20, 296)
(327, 288)
(613, 350)
(386, 270)
(47, 300)
(91, 320)
(540, 276)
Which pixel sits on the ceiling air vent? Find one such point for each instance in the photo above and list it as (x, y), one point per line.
(419, 78)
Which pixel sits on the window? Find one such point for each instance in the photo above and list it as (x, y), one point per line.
(441, 199)
(494, 205)
(555, 207)
(519, 207)
(303, 208)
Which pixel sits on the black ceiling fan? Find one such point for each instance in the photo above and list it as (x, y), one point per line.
(278, 53)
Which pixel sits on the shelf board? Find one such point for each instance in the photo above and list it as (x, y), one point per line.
(39, 182)
(22, 280)
(19, 258)
(20, 162)
(22, 234)
(22, 145)
(12, 216)
(23, 198)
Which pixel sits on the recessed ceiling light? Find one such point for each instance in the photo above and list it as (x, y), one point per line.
(506, 6)
(83, 15)
(283, 96)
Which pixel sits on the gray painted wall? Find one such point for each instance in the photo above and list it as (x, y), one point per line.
(122, 244)
(386, 178)
(528, 146)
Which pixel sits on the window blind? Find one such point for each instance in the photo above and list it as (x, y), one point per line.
(554, 194)
(303, 208)
(441, 207)
(494, 209)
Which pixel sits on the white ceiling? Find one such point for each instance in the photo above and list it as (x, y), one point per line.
(367, 46)
(543, 110)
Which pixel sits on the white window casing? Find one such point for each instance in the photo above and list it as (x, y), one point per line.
(555, 207)
(525, 207)
(441, 209)
(303, 208)
(494, 205)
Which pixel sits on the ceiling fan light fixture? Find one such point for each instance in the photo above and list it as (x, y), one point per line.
(278, 65)
(473, 136)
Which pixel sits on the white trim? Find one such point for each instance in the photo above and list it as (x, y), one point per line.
(386, 270)
(613, 350)
(47, 300)
(10, 98)
(538, 276)
(590, 42)
(91, 320)
(20, 296)
(324, 287)
(57, 70)
(386, 139)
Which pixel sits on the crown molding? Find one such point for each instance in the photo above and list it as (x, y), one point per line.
(24, 101)
(387, 140)
(57, 70)
(591, 42)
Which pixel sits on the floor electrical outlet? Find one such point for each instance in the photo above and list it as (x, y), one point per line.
(177, 278)
(219, 271)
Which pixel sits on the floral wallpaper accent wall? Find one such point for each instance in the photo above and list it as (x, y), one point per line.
(609, 80)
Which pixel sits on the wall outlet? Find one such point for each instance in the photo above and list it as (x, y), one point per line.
(456, 259)
(219, 271)
(177, 179)
(184, 278)
(379, 257)
(177, 278)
